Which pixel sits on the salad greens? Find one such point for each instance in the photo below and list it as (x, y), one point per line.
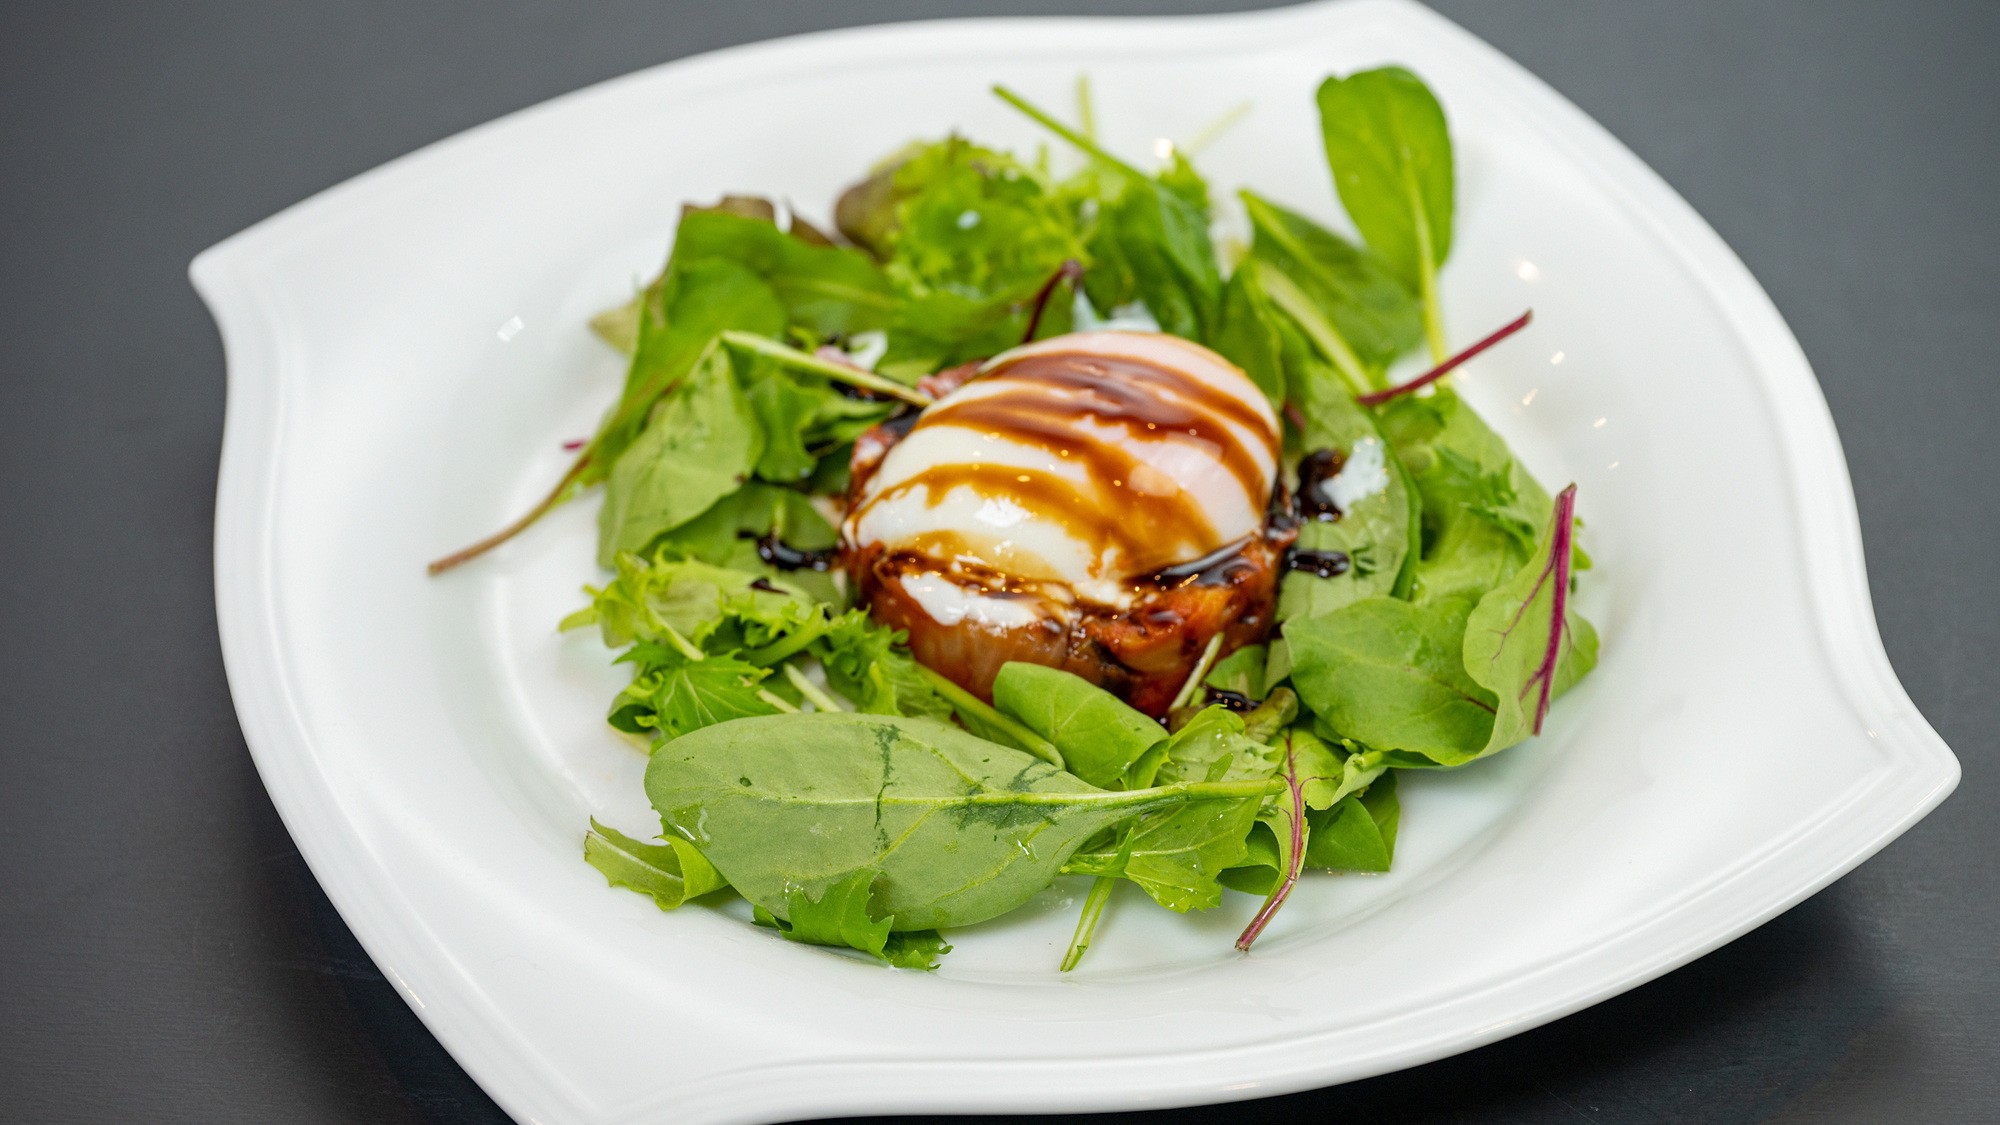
(802, 758)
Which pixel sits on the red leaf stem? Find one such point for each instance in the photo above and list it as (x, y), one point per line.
(1297, 861)
(1377, 398)
(1070, 269)
(1560, 537)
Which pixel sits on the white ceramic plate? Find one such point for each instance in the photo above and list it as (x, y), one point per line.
(407, 351)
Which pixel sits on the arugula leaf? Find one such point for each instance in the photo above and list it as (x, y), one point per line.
(831, 291)
(959, 828)
(836, 913)
(673, 693)
(1390, 151)
(915, 949)
(700, 446)
(1480, 503)
(1098, 735)
(1151, 236)
(1177, 855)
(1376, 316)
(669, 873)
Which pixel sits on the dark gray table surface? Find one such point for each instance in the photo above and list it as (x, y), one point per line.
(166, 956)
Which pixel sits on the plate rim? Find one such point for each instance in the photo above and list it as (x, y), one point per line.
(260, 360)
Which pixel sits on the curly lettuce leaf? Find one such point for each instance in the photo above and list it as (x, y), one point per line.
(670, 873)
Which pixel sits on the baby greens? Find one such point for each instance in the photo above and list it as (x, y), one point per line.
(802, 758)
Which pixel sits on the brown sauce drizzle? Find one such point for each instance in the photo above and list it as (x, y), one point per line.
(778, 553)
(1315, 469)
(1038, 404)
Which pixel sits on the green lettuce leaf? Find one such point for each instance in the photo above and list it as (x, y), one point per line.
(670, 873)
(960, 829)
(700, 446)
(1390, 151)
(1098, 735)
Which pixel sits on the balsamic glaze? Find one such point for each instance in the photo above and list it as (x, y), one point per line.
(901, 424)
(776, 552)
(765, 585)
(1315, 469)
(1231, 700)
(1325, 564)
(1216, 568)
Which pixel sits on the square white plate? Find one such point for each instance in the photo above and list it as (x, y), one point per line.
(407, 351)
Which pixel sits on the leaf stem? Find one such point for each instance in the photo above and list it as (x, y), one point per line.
(681, 644)
(1192, 684)
(1426, 268)
(1293, 863)
(964, 701)
(1286, 294)
(1086, 923)
(1560, 536)
(1086, 112)
(548, 503)
(1072, 270)
(810, 690)
(838, 372)
(1377, 398)
(777, 701)
(1084, 143)
(1207, 134)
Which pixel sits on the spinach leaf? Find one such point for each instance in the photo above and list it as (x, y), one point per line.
(1390, 151)
(1241, 671)
(1377, 529)
(680, 315)
(1391, 674)
(669, 873)
(1379, 520)
(700, 445)
(725, 536)
(960, 829)
(1247, 335)
(1376, 316)
(1098, 735)
(1359, 833)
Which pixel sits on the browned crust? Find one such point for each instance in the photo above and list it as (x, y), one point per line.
(1143, 654)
